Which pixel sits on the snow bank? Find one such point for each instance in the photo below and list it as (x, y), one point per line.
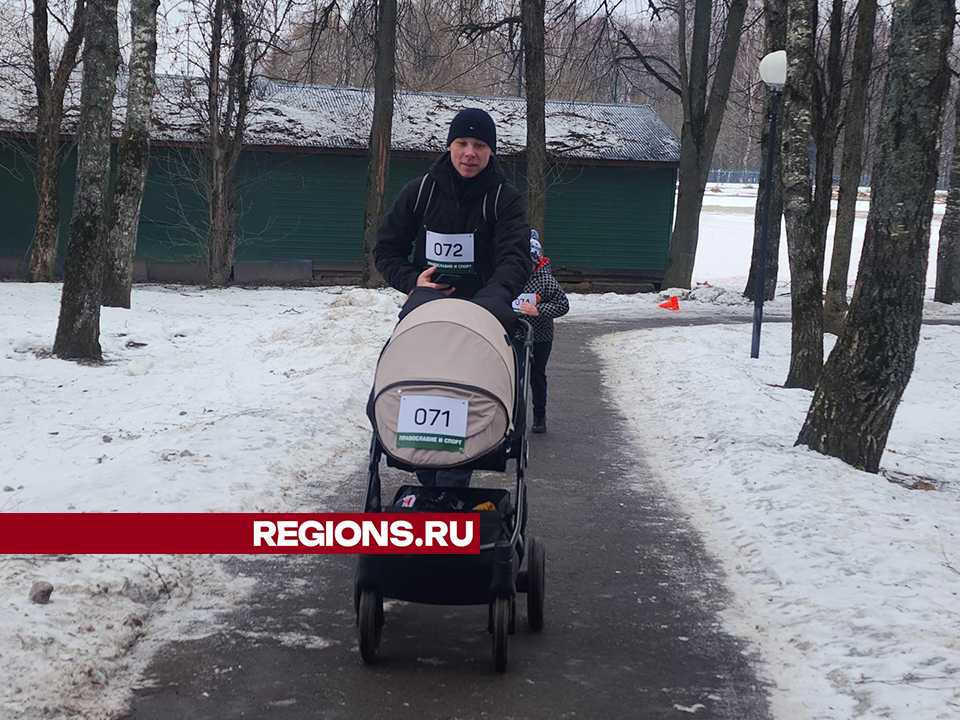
(230, 400)
(209, 401)
(847, 582)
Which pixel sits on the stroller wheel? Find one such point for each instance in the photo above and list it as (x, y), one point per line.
(369, 620)
(536, 571)
(500, 610)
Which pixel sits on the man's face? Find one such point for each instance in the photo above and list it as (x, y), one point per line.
(469, 156)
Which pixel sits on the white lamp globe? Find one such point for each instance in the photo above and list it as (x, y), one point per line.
(773, 69)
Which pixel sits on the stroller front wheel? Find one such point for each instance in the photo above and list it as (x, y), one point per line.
(370, 624)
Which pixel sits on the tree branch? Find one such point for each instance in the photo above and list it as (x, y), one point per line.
(646, 60)
(71, 48)
(473, 31)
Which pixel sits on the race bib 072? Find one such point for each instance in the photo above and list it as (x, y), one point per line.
(432, 422)
(452, 253)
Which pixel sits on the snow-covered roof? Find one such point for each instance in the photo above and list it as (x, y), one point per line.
(286, 114)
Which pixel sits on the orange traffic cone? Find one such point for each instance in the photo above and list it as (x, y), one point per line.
(672, 304)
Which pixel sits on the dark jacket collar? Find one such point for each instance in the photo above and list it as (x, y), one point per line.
(442, 171)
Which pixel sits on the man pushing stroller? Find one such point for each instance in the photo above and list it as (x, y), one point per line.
(465, 227)
(463, 222)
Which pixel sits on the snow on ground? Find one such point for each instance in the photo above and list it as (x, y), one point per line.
(225, 400)
(723, 258)
(744, 195)
(846, 582)
(210, 401)
(705, 299)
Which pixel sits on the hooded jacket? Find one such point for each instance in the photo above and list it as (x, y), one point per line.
(501, 263)
(553, 302)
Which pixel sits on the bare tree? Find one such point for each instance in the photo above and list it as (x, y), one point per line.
(381, 131)
(738, 142)
(535, 76)
(805, 253)
(491, 31)
(50, 92)
(859, 390)
(322, 16)
(703, 107)
(775, 24)
(228, 103)
(948, 252)
(133, 156)
(237, 37)
(835, 300)
(330, 42)
(78, 331)
(531, 74)
(827, 96)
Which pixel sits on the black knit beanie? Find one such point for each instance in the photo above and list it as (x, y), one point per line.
(475, 123)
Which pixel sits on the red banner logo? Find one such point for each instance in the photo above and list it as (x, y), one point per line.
(239, 533)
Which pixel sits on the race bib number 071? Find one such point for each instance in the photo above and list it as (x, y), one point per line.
(453, 253)
(431, 422)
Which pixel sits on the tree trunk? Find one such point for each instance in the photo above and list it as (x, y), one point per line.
(535, 76)
(805, 253)
(835, 302)
(50, 92)
(78, 332)
(227, 122)
(775, 35)
(701, 126)
(381, 133)
(217, 207)
(223, 227)
(686, 227)
(948, 252)
(46, 237)
(828, 93)
(133, 156)
(829, 86)
(855, 401)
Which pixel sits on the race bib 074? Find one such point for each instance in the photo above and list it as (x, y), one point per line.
(522, 298)
(452, 253)
(431, 422)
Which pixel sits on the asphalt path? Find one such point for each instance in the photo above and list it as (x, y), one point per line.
(633, 596)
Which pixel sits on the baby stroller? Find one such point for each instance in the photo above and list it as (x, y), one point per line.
(458, 352)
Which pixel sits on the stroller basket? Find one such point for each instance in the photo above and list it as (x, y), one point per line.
(492, 505)
(443, 579)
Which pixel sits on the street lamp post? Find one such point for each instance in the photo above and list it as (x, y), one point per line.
(773, 71)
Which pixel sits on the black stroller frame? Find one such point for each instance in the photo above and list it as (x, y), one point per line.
(492, 577)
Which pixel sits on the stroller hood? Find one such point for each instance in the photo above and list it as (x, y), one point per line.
(445, 385)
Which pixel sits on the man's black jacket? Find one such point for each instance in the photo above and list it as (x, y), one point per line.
(502, 241)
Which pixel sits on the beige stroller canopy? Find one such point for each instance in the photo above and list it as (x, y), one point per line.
(445, 386)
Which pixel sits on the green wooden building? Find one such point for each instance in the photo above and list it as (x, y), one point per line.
(302, 182)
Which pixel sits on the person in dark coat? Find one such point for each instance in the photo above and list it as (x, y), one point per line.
(542, 300)
(465, 227)
(461, 220)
